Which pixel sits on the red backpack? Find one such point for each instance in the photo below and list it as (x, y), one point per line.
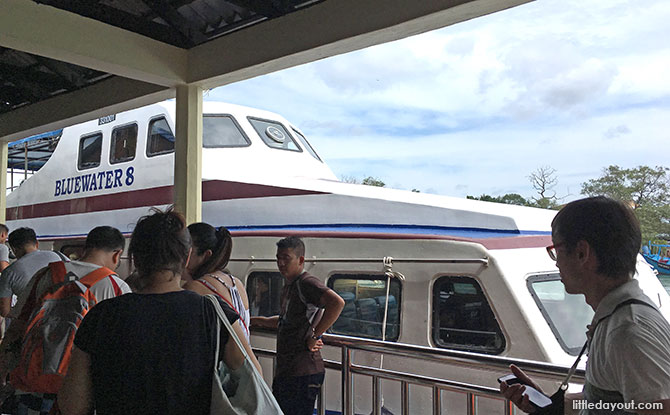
(47, 343)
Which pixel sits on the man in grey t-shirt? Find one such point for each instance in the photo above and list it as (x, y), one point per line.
(16, 277)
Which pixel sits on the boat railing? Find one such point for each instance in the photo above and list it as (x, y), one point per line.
(494, 364)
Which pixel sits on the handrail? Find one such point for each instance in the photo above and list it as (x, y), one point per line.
(347, 368)
(483, 261)
(448, 356)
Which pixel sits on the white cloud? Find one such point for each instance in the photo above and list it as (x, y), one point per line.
(475, 107)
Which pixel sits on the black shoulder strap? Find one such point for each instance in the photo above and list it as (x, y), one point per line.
(564, 385)
(621, 305)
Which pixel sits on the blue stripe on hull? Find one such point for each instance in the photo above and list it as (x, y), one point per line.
(398, 229)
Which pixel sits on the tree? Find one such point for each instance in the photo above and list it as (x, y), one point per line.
(645, 188)
(544, 180)
(373, 181)
(369, 181)
(349, 179)
(509, 199)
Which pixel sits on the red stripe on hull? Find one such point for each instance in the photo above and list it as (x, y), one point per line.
(155, 196)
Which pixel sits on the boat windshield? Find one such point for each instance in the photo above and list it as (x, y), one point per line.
(566, 314)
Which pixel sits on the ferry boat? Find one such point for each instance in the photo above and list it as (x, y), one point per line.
(442, 272)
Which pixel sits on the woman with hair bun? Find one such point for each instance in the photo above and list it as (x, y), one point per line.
(205, 272)
(150, 352)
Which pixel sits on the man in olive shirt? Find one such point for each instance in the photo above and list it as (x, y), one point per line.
(300, 371)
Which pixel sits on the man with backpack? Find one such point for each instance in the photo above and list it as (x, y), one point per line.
(16, 277)
(300, 371)
(59, 297)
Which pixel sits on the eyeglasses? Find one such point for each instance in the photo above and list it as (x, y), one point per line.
(551, 250)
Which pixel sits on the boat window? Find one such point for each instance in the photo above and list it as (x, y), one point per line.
(264, 292)
(161, 139)
(274, 134)
(222, 131)
(306, 144)
(73, 251)
(365, 304)
(567, 314)
(462, 317)
(123, 144)
(90, 148)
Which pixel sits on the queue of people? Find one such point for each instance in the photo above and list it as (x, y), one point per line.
(151, 349)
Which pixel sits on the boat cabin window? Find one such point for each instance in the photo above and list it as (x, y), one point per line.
(365, 303)
(306, 144)
(160, 139)
(264, 292)
(123, 144)
(222, 131)
(90, 148)
(567, 314)
(274, 134)
(462, 317)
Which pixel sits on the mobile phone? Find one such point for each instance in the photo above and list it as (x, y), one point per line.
(536, 398)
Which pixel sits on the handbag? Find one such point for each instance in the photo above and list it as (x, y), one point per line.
(242, 391)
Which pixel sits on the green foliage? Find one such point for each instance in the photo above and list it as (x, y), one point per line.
(369, 181)
(646, 188)
(509, 199)
(373, 181)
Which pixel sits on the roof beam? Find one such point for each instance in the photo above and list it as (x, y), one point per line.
(58, 34)
(106, 97)
(325, 29)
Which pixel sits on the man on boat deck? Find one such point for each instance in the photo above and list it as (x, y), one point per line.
(300, 369)
(595, 246)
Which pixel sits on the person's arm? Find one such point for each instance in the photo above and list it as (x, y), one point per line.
(5, 306)
(76, 395)
(3, 265)
(332, 307)
(265, 322)
(515, 392)
(233, 356)
(242, 291)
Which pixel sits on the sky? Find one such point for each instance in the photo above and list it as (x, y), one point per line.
(476, 107)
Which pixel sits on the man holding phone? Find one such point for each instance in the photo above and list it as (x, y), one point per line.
(595, 246)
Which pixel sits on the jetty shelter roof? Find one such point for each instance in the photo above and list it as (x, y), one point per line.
(63, 62)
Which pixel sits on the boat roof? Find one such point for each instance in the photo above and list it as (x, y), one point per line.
(34, 151)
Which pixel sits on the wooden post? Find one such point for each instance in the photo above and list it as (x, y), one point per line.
(188, 153)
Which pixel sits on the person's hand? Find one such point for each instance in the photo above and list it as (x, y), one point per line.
(515, 392)
(314, 345)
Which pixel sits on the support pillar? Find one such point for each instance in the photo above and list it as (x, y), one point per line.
(188, 153)
(3, 181)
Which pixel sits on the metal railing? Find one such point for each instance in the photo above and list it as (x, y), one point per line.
(348, 369)
(380, 260)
